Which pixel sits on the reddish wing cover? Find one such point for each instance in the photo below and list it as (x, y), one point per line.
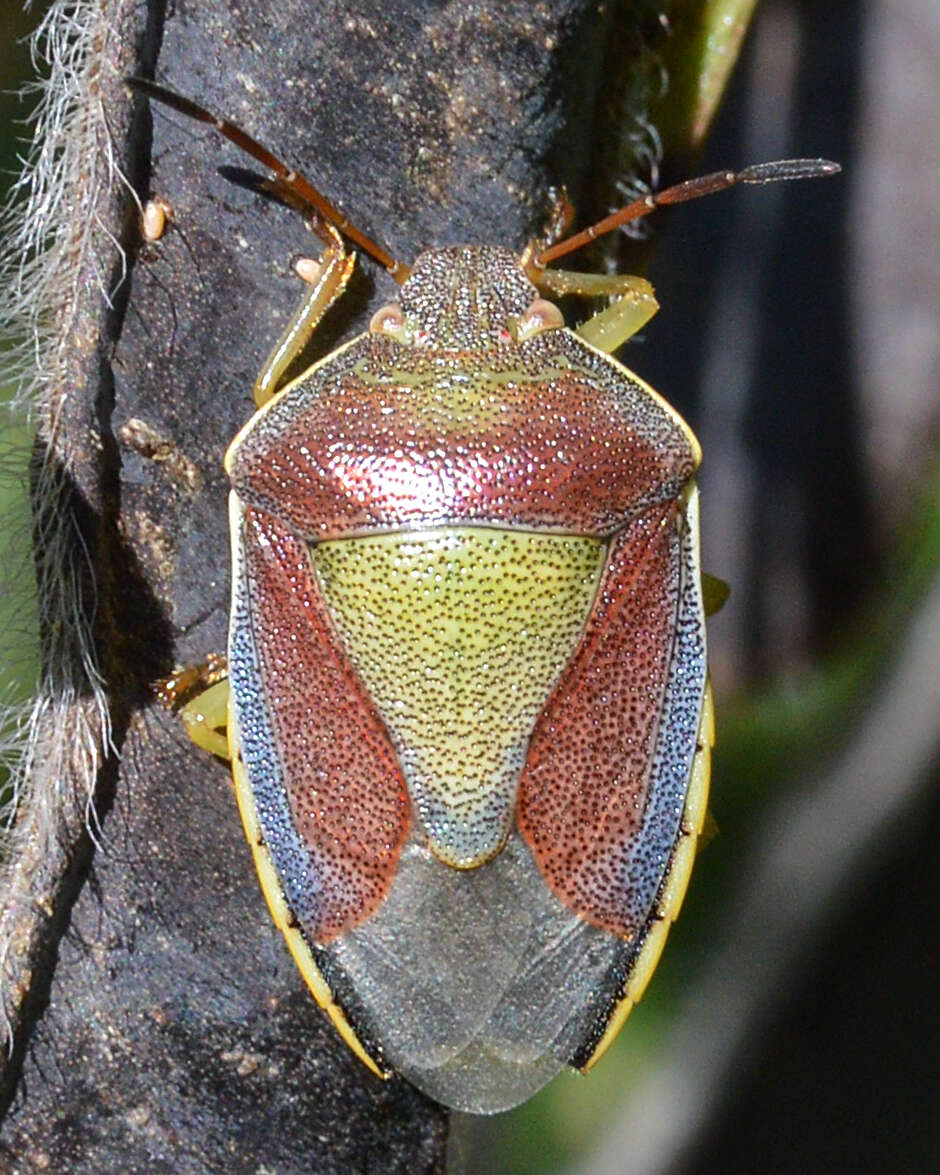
(585, 785)
(333, 762)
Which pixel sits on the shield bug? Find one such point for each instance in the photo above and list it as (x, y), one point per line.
(466, 702)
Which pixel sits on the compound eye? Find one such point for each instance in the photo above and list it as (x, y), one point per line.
(541, 315)
(389, 320)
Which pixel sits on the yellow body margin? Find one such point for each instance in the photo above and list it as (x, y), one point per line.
(274, 896)
(675, 882)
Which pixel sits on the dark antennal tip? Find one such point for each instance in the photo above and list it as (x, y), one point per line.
(787, 169)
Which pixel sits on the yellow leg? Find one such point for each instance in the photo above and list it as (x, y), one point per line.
(715, 593)
(327, 279)
(199, 693)
(206, 719)
(635, 303)
(559, 220)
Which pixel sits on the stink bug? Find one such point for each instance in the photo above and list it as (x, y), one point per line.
(466, 701)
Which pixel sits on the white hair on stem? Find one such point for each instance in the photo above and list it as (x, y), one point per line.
(52, 241)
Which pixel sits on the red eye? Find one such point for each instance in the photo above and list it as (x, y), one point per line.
(543, 315)
(388, 320)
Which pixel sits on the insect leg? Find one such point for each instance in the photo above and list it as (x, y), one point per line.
(635, 303)
(199, 693)
(206, 717)
(327, 282)
(715, 593)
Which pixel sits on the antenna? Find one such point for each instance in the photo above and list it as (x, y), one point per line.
(295, 188)
(760, 173)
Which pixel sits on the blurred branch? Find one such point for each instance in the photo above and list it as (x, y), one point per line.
(698, 59)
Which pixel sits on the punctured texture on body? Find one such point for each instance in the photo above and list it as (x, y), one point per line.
(464, 430)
